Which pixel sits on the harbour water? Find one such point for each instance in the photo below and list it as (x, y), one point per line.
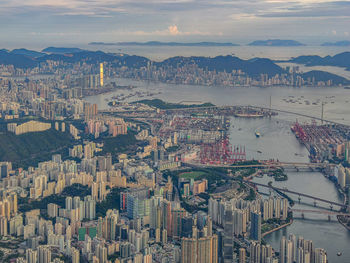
(329, 235)
(336, 108)
(276, 142)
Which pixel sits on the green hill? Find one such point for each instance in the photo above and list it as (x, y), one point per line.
(28, 149)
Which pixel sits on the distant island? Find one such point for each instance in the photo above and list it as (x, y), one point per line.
(61, 50)
(324, 76)
(276, 43)
(172, 44)
(339, 60)
(344, 43)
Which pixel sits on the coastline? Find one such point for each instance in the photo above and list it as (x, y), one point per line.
(277, 228)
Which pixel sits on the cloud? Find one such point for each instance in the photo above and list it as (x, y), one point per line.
(217, 8)
(102, 8)
(311, 9)
(173, 30)
(187, 19)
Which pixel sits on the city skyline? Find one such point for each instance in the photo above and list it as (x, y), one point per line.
(47, 22)
(175, 131)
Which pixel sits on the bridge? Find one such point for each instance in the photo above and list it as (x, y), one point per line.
(323, 212)
(260, 108)
(232, 108)
(298, 114)
(255, 107)
(285, 190)
(267, 165)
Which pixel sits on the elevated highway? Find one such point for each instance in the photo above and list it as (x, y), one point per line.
(285, 190)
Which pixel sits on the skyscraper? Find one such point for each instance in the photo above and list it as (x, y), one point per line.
(228, 237)
(101, 74)
(255, 252)
(31, 256)
(198, 250)
(320, 255)
(242, 255)
(69, 203)
(285, 209)
(255, 228)
(75, 255)
(44, 254)
(283, 243)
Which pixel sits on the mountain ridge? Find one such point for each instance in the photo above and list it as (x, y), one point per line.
(24, 58)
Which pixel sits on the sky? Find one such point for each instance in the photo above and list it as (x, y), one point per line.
(74, 22)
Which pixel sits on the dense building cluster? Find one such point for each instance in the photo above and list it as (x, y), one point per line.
(129, 187)
(192, 74)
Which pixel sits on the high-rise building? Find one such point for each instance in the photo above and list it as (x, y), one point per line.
(101, 253)
(137, 206)
(90, 207)
(107, 225)
(299, 251)
(167, 217)
(69, 203)
(31, 256)
(255, 252)
(277, 208)
(177, 215)
(52, 210)
(255, 228)
(44, 254)
(285, 209)
(3, 226)
(90, 111)
(75, 255)
(228, 243)
(197, 250)
(242, 255)
(101, 74)
(76, 202)
(5, 168)
(164, 236)
(283, 244)
(320, 255)
(300, 255)
(293, 240)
